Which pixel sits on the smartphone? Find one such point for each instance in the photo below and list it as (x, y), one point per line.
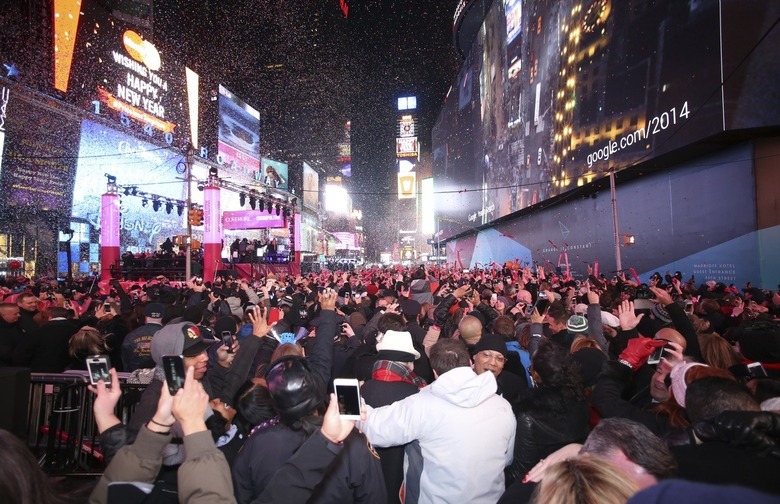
(541, 305)
(465, 271)
(227, 340)
(689, 308)
(173, 365)
(106, 307)
(274, 314)
(348, 396)
(756, 370)
(98, 366)
(655, 357)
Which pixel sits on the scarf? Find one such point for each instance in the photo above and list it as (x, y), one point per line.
(391, 371)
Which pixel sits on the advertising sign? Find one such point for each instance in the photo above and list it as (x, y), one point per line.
(407, 126)
(39, 159)
(274, 174)
(552, 96)
(251, 219)
(406, 147)
(311, 187)
(134, 163)
(239, 133)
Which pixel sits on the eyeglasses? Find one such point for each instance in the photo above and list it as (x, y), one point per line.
(488, 355)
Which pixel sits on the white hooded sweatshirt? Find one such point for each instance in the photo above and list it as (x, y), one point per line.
(466, 434)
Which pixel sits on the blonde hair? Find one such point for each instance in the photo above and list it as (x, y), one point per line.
(584, 480)
(581, 342)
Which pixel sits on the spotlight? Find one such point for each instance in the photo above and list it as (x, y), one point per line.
(201, 186)
(135, 190)
(168, 207)
(262, 204)
(278, 209)
(156, 205)
(145, 202)
(242, 199)
(179, 209)
(127, 191)
(213, 172)
(252, 201)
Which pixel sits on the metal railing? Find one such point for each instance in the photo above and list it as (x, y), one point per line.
(62, 432)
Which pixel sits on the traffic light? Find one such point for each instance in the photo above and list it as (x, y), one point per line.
(195, 217)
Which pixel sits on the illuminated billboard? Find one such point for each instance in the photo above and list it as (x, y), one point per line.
(38, 150)
(134, 163)
(337, 200)
(116, 71)
(552, 96)
(238, 142)
(406, 147)
(273, 174)
(407, 185)
(311, 187)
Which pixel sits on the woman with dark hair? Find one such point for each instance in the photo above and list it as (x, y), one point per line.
(87, 341)
(22, 481)
(554, 414)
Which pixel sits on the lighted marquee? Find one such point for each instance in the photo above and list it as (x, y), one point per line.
(407, 126)
(406, 147)
(118, 72)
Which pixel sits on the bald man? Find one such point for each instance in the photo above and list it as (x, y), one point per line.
(470, 330)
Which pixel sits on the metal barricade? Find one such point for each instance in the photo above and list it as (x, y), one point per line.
(62, 431)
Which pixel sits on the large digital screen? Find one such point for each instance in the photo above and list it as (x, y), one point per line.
(134, 163)
(120, 73)
(239, 133)
(37, 153)
(311, 187)
(274, 174)
(555, 94)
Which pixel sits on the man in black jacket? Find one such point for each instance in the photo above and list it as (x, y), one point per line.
(393, 379)
(46, 350)
(10, 332)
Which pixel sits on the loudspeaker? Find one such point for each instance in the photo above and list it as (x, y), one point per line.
(227, 273)
(15, 391)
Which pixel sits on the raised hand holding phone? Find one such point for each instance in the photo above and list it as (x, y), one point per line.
(347, 392)
(335, 427)
(190, 403)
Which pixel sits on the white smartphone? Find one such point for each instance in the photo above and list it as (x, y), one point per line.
(98, 367)
(348, 396)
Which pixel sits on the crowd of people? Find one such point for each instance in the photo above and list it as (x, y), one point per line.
(505, 384)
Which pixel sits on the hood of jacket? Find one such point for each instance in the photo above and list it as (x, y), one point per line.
(169, 340)
(463, 387)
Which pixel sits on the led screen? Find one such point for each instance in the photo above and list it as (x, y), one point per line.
(239, 133)
(123, 75)
(274, 174)
(554, 94)
(311, 187)
(134, 163)
(37, 154)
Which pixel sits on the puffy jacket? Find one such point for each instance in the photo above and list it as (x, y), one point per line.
(466, 434)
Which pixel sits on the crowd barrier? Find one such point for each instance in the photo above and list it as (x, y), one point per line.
(61, 431)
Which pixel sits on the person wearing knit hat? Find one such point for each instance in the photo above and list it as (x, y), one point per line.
(577, 324)
(660, 314)
(490, 354)
(679, 384)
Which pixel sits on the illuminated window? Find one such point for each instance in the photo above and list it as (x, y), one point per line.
(407, 103)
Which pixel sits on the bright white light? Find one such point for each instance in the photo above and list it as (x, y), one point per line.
(428, 218)
(337, 200)
(192, 100)
(405, 166)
